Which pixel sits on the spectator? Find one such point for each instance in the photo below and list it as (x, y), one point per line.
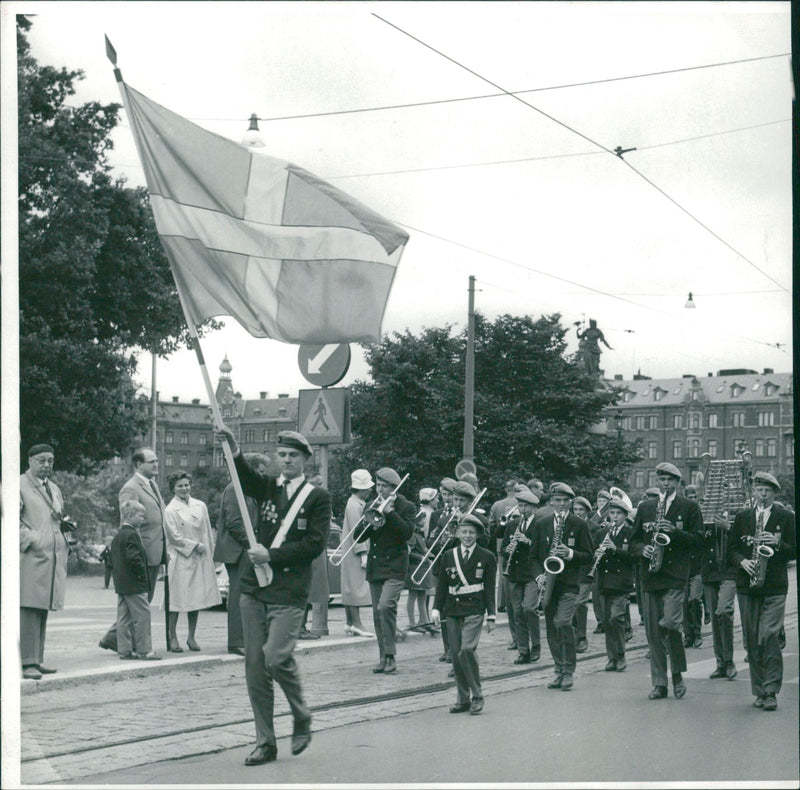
(355, 590)
(105, 556)
(43, 554)
(193, 582)
(132, 583)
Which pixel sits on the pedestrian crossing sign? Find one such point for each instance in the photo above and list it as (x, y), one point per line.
(323, 415)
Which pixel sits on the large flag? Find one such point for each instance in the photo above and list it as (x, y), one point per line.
(286, 254)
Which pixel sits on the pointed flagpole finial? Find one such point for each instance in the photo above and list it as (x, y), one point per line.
(110, 51)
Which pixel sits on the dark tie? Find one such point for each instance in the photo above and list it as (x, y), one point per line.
(283, 498)
(46, 486)
(155, 491)
(464, 556)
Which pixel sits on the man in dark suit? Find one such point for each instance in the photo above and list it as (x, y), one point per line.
(231, 549)
(762, 583)
(465, 588)
(664, 583)
(574, 549)
(142, 488)
(387, 562)
(293, 529)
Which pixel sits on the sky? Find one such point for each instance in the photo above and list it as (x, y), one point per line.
(530, 200)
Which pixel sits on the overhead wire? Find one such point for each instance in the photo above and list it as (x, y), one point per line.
(593, 142)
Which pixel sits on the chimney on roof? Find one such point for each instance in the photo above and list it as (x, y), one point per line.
(618, 377)
(283, 394)
(262, 395)
(174, 398)
(710, 374)
(768, 372)
(688, 376)
(195, 401)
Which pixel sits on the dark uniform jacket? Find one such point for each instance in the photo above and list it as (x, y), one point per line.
(231, 534)
(674, 574)
(781, 522)
(129, 562)
(518, 566)
(575, 535)
(480, 573)
(305, 540)
(716, 566)
(388, 545)
(616, 568)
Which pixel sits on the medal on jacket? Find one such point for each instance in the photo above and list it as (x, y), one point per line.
(269, 513)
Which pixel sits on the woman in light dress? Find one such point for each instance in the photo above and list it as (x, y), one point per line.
(190, 545)
(355, 589)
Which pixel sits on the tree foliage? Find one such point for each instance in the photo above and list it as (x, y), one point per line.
(532, 406)
(94, 283)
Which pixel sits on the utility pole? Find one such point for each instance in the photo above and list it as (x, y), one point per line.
(153, 405)
(469, 383)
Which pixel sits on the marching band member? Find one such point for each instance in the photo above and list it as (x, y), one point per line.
(582, 508)
(665, 573)
(574, 548)
(614, 574)
(387, 563)
(465, 589)
(524, 592)
(693, 608)
(440, 517)
(498, 519)
(762, 543)
(595, 521)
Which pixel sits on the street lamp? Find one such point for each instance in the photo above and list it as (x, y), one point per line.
(252, 137)
(618, 422)
(690, 305)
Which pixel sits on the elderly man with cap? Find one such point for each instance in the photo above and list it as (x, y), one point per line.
(292, 531)
(561, 534)
(43, 551)
(387, 562)
(353, 569)
(762, 543)
(613, 570)
(664, 580)
(522, 587)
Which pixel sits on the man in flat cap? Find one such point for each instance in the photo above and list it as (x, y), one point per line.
(665, 574)
(522, 588)
(762, 543)
(43, 551)
(293, 529)
(560, 534)
(387, 562)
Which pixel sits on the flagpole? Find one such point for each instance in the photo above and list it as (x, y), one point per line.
(263, 572)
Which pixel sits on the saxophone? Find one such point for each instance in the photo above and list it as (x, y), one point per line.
(553, 564)
(761, 554)
(660, 540)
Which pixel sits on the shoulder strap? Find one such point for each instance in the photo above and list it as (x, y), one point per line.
(299, 498)
(456, 552)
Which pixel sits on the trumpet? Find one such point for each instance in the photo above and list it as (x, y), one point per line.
(602, 550)
(439, 543)
(509, 514)
(660, 540)
(372, 517)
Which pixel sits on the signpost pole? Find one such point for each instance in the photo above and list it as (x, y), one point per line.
(469, 384)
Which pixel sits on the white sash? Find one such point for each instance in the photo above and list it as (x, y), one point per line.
(299, 498)
(456, 552)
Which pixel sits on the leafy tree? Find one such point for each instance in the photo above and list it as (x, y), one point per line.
(533, 406)
(93, 280)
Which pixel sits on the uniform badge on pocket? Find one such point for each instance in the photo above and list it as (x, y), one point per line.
(302, 523)
(571, 541)
(479, 573)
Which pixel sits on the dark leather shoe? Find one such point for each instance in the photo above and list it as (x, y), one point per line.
(622, 665)
(731, 671)
(306, 634)
(523, 659)
(611, 666)
(108, 644)
(658, 692)
(461, 707)
(265, 753)
(535, 655)
(512, 646)
(476, 706)
(381, 667)
(238, 651)
(582, 646)
(46, 670)
(687, 641)
(174, 647)
(679, 689)
(390, 665)
(555, 683)
(698, 643)
(451, 673)
(719, 672)
(599, 630)
(759, 702)
(770, 703)
(301, 736)
(445, 656)
(628, 635)
(566, 683)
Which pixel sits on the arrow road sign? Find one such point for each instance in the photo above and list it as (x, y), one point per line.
(325, 365)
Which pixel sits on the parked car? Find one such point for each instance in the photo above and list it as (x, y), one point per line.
(223, 582)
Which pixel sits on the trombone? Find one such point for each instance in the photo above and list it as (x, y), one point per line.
(372, 517)
(440, 542)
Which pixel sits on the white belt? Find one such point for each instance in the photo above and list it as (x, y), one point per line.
(464, 589)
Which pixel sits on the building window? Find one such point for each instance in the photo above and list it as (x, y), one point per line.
(766, 418)
(658, 394)
(677, 421)
(695, 477)
(772, 448)
(713, 448)
(695, 394)
(677, 449)
(220, 459)
(712, 420)
(201, 461)
(652, 450)
(640, 423)
(739, 446)
(735, 391)
(759, 448)
(653, 422)
(627, 424)
(168, 438)
(694, 421)
(203, 439)
(638, 478)
(168, 460)
(267, 434)
(184, 460)
(184, 438)
(250, 435)
(694, 448)
(790, 447)
(651, 478)
(738, 419)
